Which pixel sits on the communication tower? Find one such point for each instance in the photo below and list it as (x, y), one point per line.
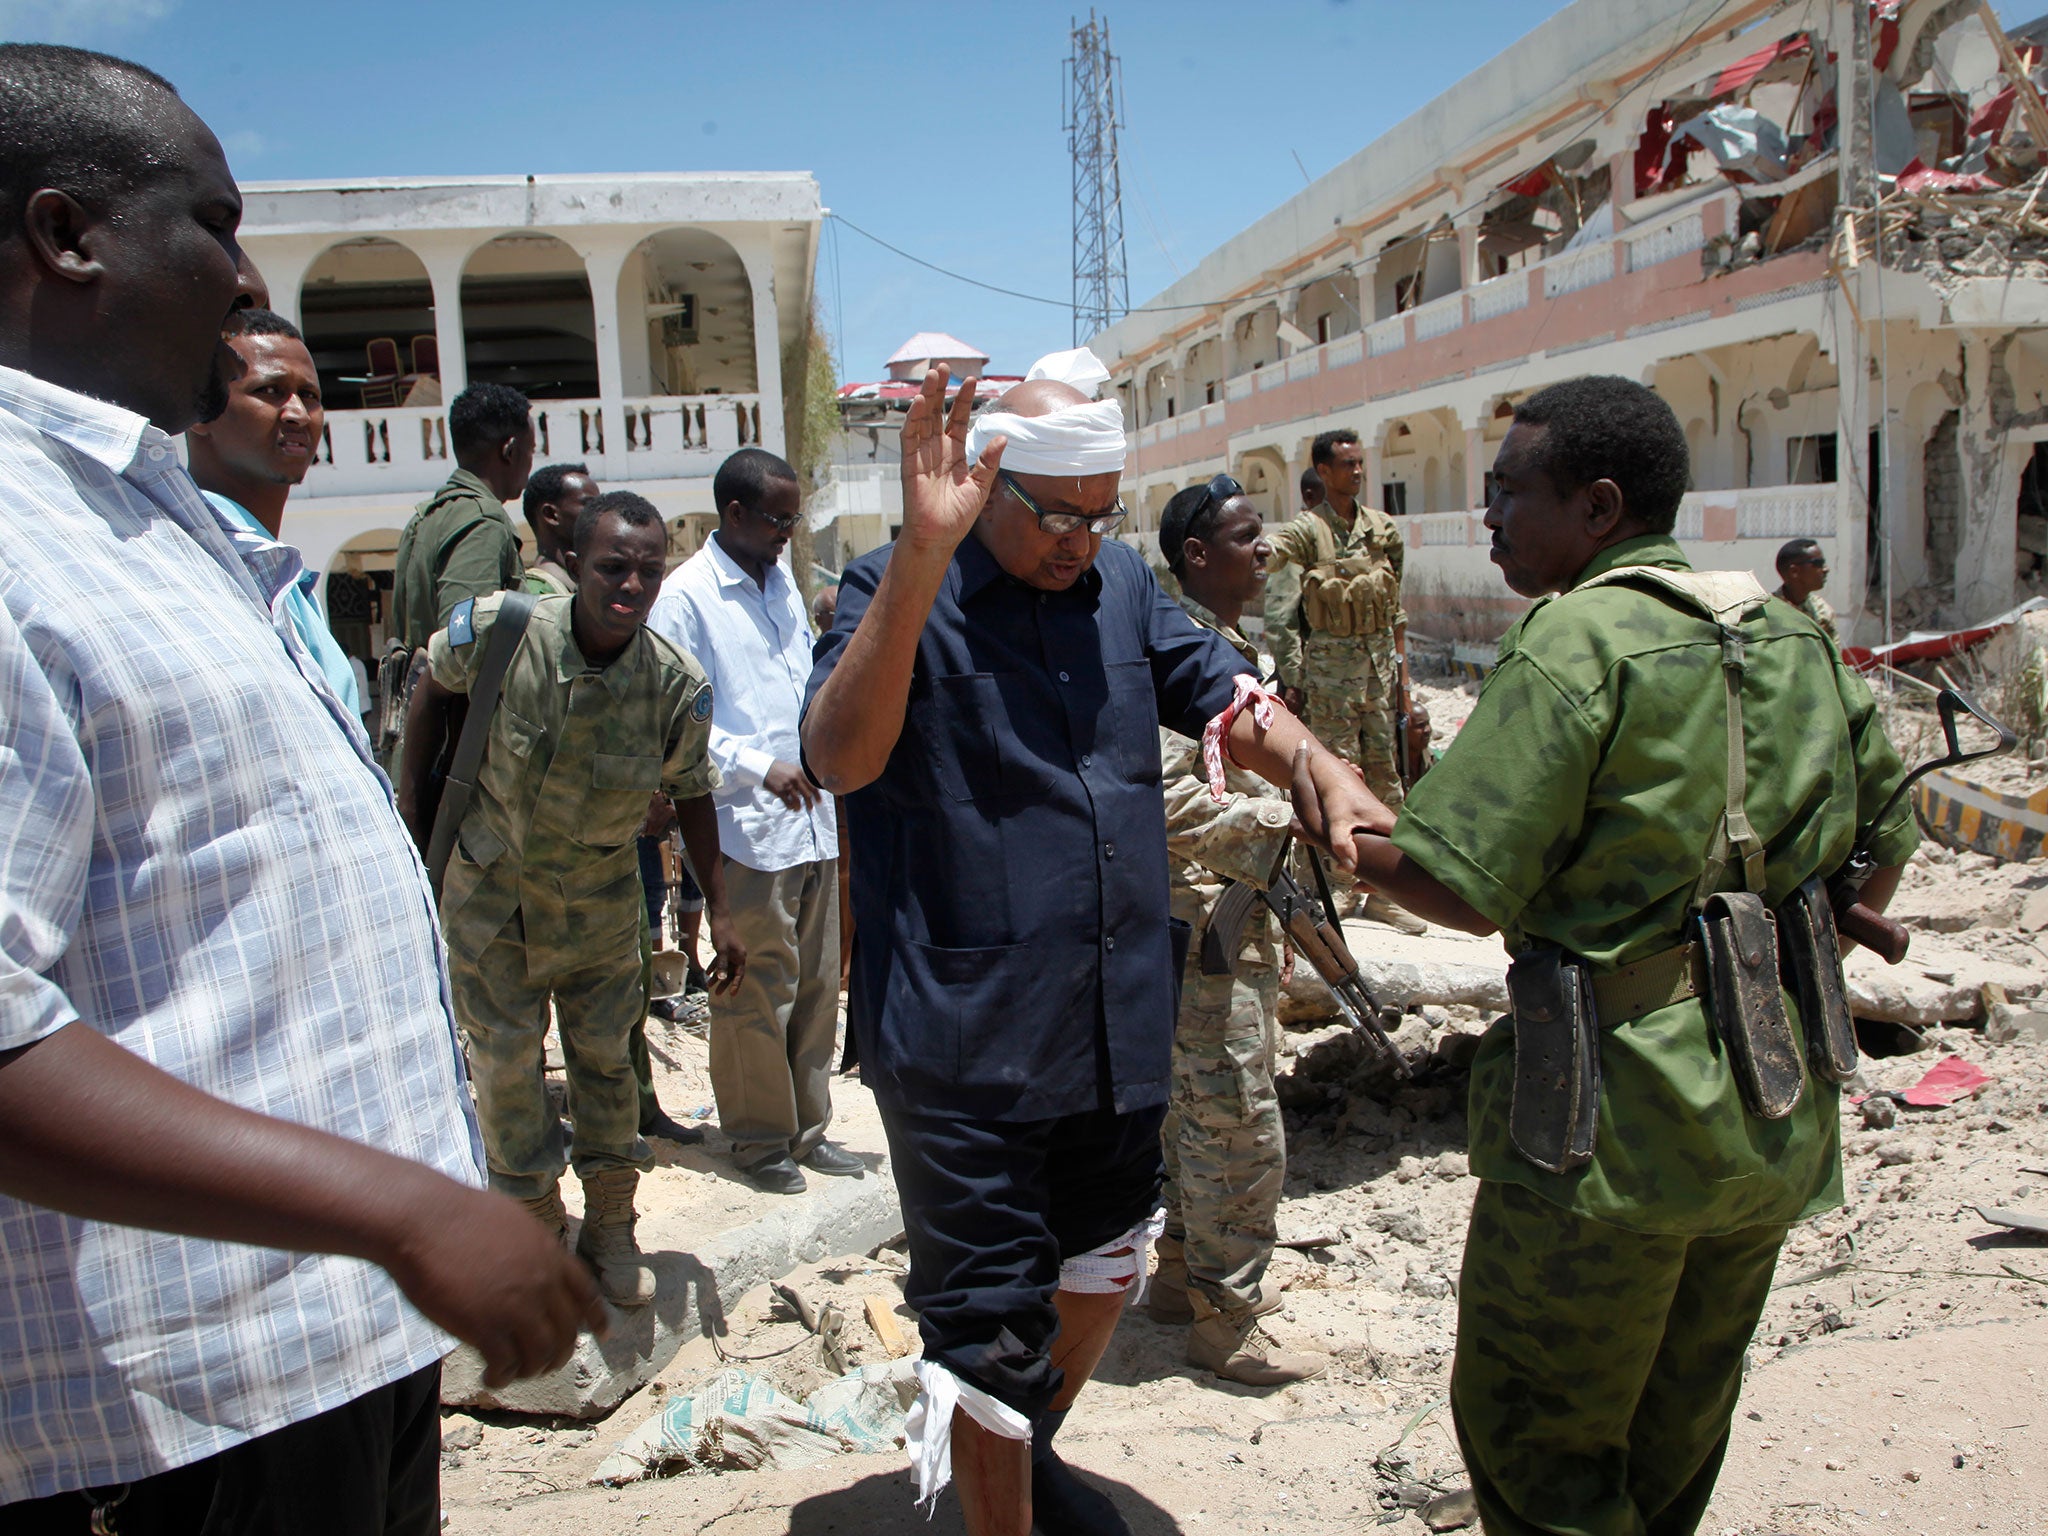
(1092, 109)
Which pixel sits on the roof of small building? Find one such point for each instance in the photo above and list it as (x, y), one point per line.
(927, 344)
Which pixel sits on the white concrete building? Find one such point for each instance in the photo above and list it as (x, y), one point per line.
(646, 316)
(1534, 223)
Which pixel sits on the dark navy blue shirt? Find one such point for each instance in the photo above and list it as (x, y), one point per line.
(1012, 958)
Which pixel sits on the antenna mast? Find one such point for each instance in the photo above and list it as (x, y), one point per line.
(1102, 288)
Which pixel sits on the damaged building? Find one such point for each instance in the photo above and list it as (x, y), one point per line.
(1818, 232)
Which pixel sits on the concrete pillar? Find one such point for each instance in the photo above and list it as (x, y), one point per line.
(444, 258)
(767, 348)
(603, 260)
(1475, 467)
(1992, 458)
(1621, 183)
(283, 266)
(1467, 228)
(1849, 571)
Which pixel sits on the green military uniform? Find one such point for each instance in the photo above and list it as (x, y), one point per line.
(1333, 603)
(1818, 609)
(1604, 1312)
(545, 578)
(459, 544)
(1225, 1147)
(543, 895)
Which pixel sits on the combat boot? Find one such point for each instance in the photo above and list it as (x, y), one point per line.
(547, 1210)
(1242, 1351)
(1166, 1298)
(606, 1243)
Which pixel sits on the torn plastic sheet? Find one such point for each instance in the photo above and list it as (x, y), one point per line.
(1947, 1080)
(1741, 139)
(736, 1421)
(1916, 178)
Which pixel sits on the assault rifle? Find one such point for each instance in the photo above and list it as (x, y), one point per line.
(1317, 938)
(1854, 920)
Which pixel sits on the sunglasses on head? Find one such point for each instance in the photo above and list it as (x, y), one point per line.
(1059, 524)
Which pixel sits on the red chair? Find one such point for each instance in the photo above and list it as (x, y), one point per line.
(426, 356)
(382, 387)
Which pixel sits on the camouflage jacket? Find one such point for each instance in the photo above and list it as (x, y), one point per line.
(459, 544)
(1295, 549)
(574, 755)
(1576, 807)
(1817, 609)
(1209, 845)
(545, 578)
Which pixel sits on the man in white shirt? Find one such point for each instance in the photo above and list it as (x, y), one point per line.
(734, 606)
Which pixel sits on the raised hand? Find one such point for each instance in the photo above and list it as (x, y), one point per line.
(943, 490)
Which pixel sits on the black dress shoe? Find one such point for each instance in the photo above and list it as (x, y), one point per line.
(826, 1158)
(1063, 1505)
(659, 1124)
(778, 1175)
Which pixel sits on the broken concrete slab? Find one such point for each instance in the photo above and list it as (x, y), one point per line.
(694, 1287)
(1404, 971)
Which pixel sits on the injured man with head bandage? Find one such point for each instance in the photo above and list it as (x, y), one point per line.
(988, 702)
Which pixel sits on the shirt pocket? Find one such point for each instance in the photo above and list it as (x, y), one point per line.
(620, 787)
(1132, 719)
(513, 741)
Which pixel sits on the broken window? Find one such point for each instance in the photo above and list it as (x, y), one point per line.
(1810, 460)
(1394, 498)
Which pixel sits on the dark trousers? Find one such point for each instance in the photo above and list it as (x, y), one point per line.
(991, 1208)
(371, 1467)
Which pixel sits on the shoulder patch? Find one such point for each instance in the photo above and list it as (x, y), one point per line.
(462, 622)
(700, 707)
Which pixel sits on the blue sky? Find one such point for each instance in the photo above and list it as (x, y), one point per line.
(936, 127)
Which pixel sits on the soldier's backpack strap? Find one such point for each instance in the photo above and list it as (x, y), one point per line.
(506, 631)
(1726, 598)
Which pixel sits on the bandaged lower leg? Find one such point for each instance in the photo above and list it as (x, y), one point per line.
(928, 1430)
(1117, 1265)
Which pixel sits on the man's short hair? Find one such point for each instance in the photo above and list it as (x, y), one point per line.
(260, 322)
(1603, 427)
(629, 507)
(1311, 484)
(85, 123)
(1798, 552)
(745, 477)
(485, 415)
(1324, 449)
(546, 484)
(1191, 514)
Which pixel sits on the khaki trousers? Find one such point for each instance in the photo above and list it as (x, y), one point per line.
(771, 1041)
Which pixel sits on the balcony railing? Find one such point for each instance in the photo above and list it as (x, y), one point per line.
(403, 451)
(1388, 335)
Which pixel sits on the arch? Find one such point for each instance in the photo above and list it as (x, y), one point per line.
(1263, 474)
(527, 319)
(686, 316)
(363, 291)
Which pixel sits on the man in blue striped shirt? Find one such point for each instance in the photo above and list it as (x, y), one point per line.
(238, 1208)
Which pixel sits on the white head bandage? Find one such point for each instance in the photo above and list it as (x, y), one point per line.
(1082, 439)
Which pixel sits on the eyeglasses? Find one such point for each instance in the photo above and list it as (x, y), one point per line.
(1060, 524)
(1217, 492)
(779, 524)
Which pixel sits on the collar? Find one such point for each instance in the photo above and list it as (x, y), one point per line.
(475, 484)
(112, 436)
(1645, 549)
(730, 573)
(570, 663)
(1208, 620)
(978, 568)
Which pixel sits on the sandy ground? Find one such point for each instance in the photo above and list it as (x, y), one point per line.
(1898, 1381)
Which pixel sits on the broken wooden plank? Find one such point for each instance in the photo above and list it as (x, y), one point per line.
(883, 1321)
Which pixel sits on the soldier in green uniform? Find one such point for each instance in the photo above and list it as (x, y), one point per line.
(1337, 628)
(1225, 1147)
(542, 897)
(1802, 572)
(1585, 807)
(555, 493)
(460, 543)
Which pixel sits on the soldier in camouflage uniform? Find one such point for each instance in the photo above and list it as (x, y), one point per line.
(1338, 631)
(1603, 1312)
(1802, 572)
(542, 897)
(1225, 1147)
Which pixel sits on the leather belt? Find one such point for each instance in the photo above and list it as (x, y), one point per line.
(1655, 981)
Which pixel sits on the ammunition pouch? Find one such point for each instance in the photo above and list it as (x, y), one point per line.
(1746, 999)
(1556, 1106)
(1347, 596)
(1810, 955)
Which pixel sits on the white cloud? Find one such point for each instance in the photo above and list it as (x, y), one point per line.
(77, 21)
(244, 144)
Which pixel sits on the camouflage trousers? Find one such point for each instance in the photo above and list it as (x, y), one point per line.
(1225, 1148)
(1350, 686)
(504, 1018)
(1597, 1368)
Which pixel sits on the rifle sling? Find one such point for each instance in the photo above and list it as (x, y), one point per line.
(499, 646)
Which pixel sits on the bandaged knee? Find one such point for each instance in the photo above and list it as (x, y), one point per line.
(1117, 1264)
(928, 1429)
